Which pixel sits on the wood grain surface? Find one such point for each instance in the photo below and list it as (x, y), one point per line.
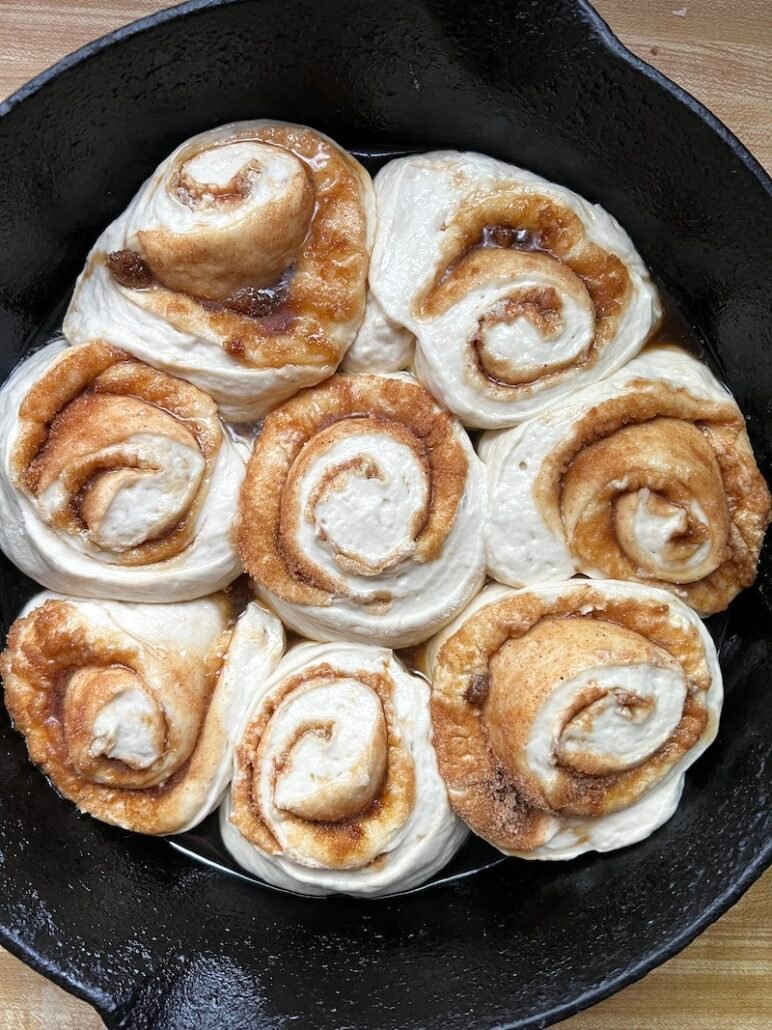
(721, 52)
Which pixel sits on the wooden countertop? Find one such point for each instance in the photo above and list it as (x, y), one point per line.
(720, 51)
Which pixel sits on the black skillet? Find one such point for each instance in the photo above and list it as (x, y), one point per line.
(152, 937)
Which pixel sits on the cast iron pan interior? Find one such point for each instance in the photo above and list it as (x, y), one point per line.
(157, 940)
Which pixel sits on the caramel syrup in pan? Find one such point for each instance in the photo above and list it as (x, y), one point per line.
(204, 843)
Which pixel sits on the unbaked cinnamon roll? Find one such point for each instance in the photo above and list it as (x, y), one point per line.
(361, 513)
(240, 265)
(127, 708)
(336, 787)
(116, 480)
(647, 476)
(517, 290)
(565, 715)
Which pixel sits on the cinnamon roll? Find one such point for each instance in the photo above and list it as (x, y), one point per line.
(336, 787)
(565, 715)
(240, 265)
(116, 480)
(647, 476)
(361, 512)
(517, 290)
(124, 706)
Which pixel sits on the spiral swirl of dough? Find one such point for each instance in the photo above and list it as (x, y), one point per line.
(123, 706)
(647, 476)
(240, 265)
(116, 480)
(361, 510)
(336, 787)
(518, 291)
(566, 714)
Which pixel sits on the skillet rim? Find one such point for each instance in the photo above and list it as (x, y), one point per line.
(603, 36)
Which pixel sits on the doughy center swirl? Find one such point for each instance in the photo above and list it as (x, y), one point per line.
(232, 217)
(112, 711)
(524, 315)
(114, 727)
(357, 496)
(654, 495)
(579, 698)
(328, 781)
(331, 743)
(120, 470)
(522, 285)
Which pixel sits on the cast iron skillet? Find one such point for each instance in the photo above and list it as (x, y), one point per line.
(156, 940)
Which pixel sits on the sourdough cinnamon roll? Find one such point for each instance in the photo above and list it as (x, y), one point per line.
(240, 265)
(647, 476)
(361, 512)
(336, 787)
(116, 480)
(126, 708)
(517, 290)
(566, 715)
